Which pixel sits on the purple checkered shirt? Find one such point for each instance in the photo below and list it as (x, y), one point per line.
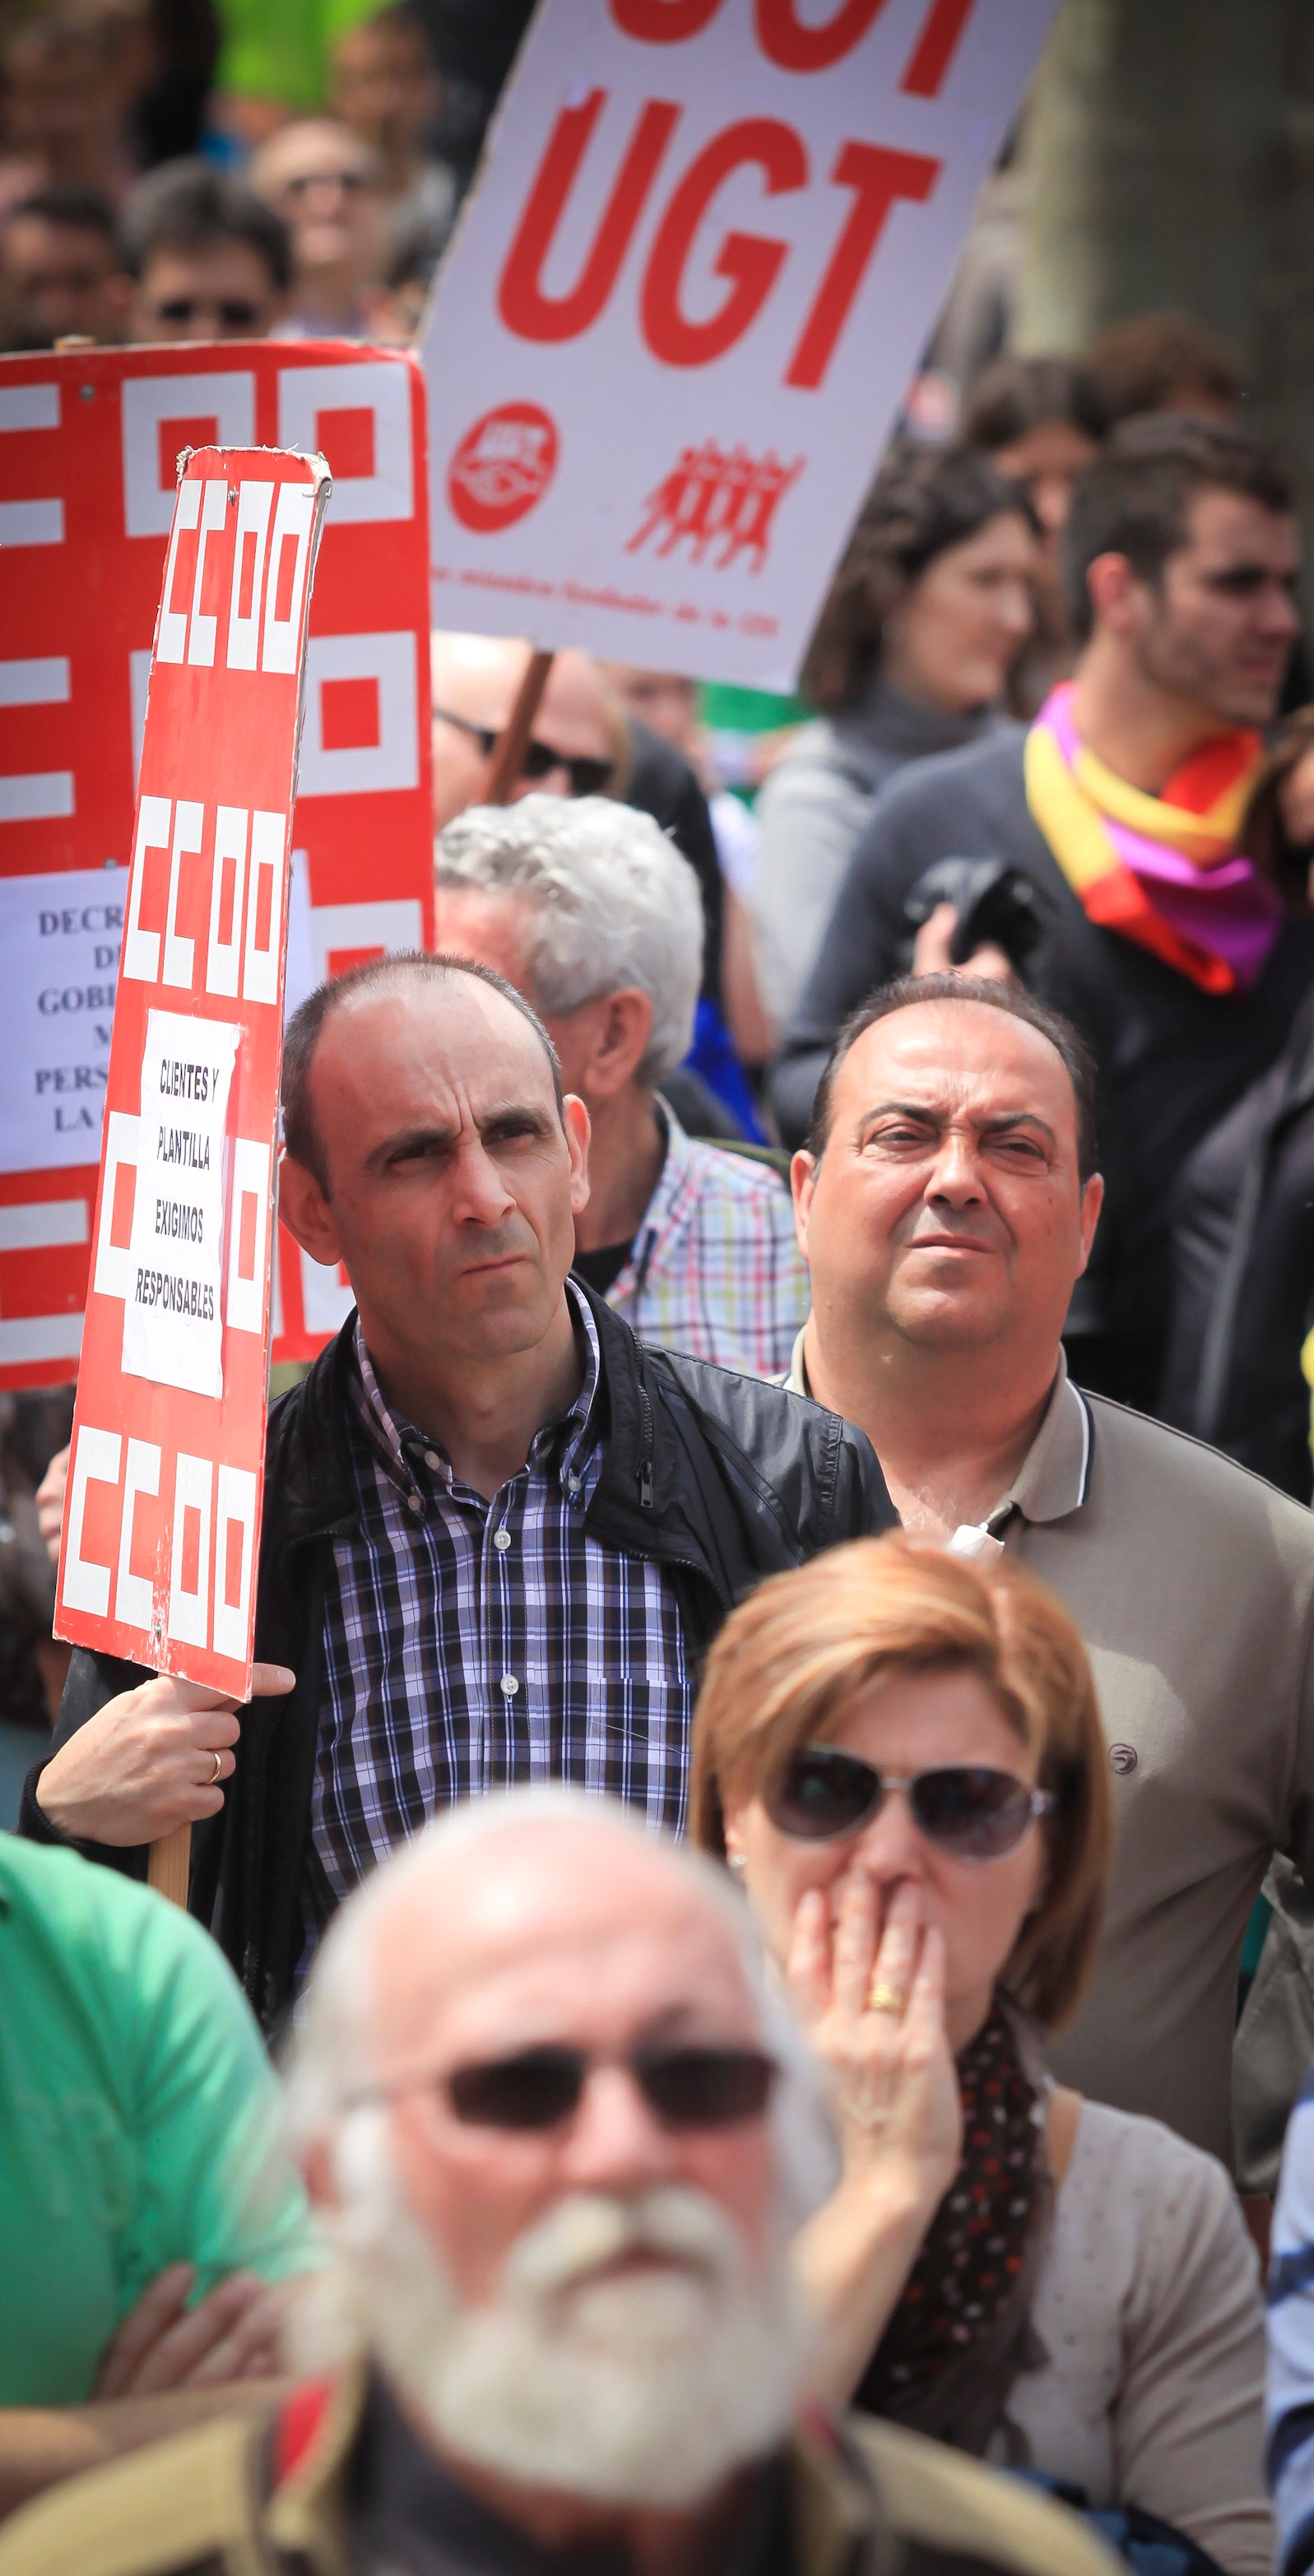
(469, 1644)
(715, 1269)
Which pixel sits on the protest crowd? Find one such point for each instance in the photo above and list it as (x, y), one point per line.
(745, 2000)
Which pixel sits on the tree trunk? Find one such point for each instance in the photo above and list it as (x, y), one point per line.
(1169, 151)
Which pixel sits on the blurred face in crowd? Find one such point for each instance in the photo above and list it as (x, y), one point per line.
(946, 1211)
(57, 279)
(475, 679)
(384, 87)
(594, 2303)
(1046, 461)
(453, 1184)
(1219, 627)
(663, 700)
(221, 291)
(953, 639)
(62, 103)
(326, 185)
(908, 1721)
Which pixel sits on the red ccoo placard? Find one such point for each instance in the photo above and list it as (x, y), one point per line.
(162, 1526)
(89, 442)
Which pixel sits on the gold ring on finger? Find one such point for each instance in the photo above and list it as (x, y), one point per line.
(885, 1999)
(218, 1771)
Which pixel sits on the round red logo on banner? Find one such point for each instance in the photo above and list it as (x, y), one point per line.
(502, 466)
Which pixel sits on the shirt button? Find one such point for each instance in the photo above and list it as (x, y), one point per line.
(1122, 1757)
(572, 1482)
(432, 1459)
(508, 1685)
(501, 1538)
(416, 1501)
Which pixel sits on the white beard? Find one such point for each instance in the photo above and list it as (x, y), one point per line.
(644, 2389)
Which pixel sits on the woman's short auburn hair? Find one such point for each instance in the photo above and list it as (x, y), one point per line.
(795, 1657)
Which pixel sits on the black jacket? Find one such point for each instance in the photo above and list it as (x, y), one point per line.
(658, 780)
(1243, 1275)
(719, 1478)
(1171, 1059)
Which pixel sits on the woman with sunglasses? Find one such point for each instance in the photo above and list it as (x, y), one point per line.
(899, 1751)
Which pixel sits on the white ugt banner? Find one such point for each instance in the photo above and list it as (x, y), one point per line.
(706, 250)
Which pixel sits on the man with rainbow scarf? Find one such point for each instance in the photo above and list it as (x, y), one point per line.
(1125, 804)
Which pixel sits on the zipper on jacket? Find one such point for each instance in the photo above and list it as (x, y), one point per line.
(644, 1469)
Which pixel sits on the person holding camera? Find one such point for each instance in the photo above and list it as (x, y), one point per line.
(946, 1205)
(1123, 893)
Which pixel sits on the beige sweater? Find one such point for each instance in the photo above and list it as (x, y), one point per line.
(1148, 2307)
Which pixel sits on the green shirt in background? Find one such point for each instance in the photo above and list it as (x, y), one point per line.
(728, 709)
(139, 2118)
(279, 49)
(732, 717)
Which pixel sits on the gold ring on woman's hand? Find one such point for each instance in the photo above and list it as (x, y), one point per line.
(218, 1772)
(886, 1999)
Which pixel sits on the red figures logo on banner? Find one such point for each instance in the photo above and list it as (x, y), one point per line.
(710, 495)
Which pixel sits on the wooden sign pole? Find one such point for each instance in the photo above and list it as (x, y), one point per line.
(513, 741)
(171, 1865)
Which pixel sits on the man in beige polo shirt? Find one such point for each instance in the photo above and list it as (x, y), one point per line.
(946, 1208)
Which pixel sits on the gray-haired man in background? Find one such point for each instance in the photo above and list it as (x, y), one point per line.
(591, 912)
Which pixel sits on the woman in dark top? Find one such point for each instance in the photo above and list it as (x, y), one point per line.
(930, 608)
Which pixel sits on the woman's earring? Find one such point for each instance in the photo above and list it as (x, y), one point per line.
(736, 1862)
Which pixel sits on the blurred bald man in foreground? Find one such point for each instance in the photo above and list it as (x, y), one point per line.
(560, 2142)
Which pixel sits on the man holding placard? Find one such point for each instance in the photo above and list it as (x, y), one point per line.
(498, 1534)
(161, 1532)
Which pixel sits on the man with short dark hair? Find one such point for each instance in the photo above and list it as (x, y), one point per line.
(60, 270)
(208, 259)
(1123, 805)
(498, 1534)
(946, 1207)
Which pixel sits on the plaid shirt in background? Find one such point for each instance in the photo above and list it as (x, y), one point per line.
(715, 1269)
(470, 1644)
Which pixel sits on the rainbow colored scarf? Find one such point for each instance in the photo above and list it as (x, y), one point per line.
(1165, 870)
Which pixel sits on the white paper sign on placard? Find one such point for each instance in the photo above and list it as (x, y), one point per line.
(60, 936)
(708, 243)
(172, 1312)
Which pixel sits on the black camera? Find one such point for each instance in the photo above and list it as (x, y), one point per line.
(993, 901)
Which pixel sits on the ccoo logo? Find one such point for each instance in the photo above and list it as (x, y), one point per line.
(502, 466)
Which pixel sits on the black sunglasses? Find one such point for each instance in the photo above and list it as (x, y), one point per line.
(233, 311)
(969, 1811)
(587, 777)
(538, 2088)
(352, 182)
